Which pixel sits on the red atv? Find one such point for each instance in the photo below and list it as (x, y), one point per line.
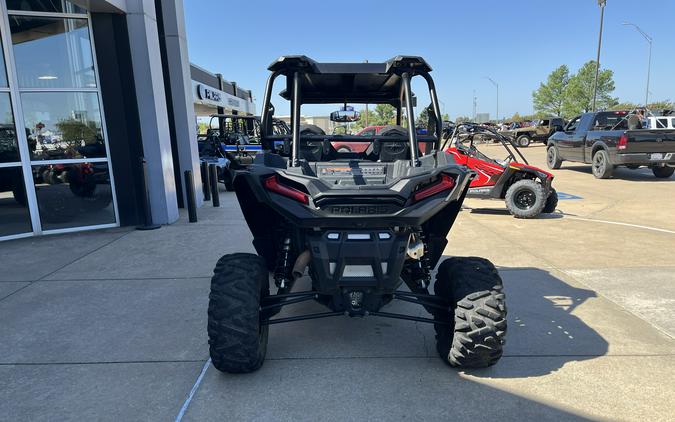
(526, 189)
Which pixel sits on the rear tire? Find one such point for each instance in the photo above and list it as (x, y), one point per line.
(551, 202)
(525, 199)
(237, 340)
(602, 168)
(663, 172)
(523, 141)
(477, 310)
(553, 160)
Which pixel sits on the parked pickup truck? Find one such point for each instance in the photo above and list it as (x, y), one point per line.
(608, 139)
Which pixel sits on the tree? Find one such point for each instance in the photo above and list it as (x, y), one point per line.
(461, 119)
(578, 96)
(384, 114)
(661, 105)
(422, 119)
(515, 118)
(624, 106)
(550, 96)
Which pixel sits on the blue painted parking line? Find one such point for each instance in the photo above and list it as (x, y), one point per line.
(562, 196)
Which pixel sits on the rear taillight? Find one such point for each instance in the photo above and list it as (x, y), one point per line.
(622, 143)
(445, 183)
(272, 184)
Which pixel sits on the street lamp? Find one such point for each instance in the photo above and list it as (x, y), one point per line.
(496, 86)
(602, 4)
(649, 63)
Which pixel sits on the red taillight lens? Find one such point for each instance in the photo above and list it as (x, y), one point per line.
(272, 184)
(623, 142)
(445, 183)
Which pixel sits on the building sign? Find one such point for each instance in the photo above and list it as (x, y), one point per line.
(206, 93)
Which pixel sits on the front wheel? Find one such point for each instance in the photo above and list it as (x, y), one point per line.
(553, 160)
(663, 172)
(602, 168)
(551, 202)
(477, 313)
(525, 199)
(237, 339)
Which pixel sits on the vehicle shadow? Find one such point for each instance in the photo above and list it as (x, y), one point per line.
(639, 175)
(500, 211)
(544, 325)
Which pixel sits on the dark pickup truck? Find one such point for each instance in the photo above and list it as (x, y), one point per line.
(608, 139)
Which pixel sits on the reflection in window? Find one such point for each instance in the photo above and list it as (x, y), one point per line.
(54, 6)
(3, 71)
(14, 214)
(9, 148)
(63, 125)
(52, 52)
(73, 195)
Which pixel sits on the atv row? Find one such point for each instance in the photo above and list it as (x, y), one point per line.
(368, 227)
(231, 142)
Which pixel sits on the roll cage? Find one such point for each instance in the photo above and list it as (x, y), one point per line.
(310, 82)
(468, 131)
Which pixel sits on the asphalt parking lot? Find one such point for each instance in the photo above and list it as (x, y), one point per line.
(111, 325)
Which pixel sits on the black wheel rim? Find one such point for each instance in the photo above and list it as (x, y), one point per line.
(525, 199)
(599, 164)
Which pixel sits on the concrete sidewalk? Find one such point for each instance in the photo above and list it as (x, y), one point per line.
(111, 325)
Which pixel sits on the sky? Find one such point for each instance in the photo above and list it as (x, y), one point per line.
(517, 43)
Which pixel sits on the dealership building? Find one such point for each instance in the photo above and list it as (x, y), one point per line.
(88, 90)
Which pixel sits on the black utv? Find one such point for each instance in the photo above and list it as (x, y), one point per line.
(361, 225)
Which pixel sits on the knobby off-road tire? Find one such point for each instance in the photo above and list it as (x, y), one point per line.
(478, 309)
(551, 202)
(553, 160)
(663, 172)
(602, 168)
(525, 199)
(237, 340)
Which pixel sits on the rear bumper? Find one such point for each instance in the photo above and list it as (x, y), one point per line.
(365, 260)
(645, 159)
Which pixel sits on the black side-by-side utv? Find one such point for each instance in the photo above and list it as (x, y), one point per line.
(361, 224)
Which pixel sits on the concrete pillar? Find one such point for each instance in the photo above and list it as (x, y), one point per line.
(181, 99)
(148, 78)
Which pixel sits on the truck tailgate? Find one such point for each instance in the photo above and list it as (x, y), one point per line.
(650, 140)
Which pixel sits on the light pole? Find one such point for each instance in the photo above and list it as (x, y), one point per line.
(496, 86)
(602, 4)
(649, 63)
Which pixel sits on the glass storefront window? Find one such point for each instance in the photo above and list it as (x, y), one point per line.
(14, 214)
(9, 147)
(52, 6)
(73, 195)
(63, 125)
(3, 70)
(52, 52)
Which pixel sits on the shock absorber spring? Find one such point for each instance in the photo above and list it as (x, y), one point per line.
(425, 263)
(283, 268)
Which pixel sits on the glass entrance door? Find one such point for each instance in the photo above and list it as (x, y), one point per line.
(56, 175)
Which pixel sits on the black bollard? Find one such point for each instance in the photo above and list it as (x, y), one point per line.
(213, 180)
(147, 211)
(190, 193)
(206, 186)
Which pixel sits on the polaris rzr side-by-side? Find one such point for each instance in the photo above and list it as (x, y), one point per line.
(525, 189)
(232, 141)
(362, 225)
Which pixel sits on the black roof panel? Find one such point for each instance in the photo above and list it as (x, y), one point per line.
(324, 83)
